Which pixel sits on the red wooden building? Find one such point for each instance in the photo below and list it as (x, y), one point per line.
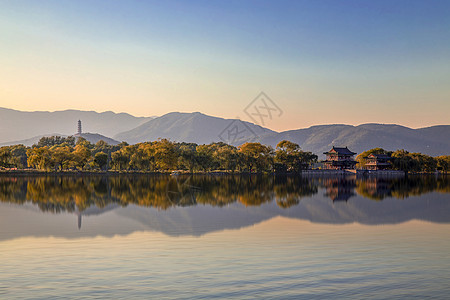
(339, 159)
(378, 162)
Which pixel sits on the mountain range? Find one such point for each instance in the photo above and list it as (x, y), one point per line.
(20, 125)
(202, 129)
(195, 128)
(199, 128)
(432, 141)
(90, 137)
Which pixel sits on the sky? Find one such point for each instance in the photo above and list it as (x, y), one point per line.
(320, 62)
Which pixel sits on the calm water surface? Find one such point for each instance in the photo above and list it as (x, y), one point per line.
(239, 237)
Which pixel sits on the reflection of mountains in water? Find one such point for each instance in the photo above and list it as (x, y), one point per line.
(203, 219)
(94, 211)
(201, 204)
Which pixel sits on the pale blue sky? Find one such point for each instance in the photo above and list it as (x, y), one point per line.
(322, 62)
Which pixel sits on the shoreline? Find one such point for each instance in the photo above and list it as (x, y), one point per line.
(369, 173)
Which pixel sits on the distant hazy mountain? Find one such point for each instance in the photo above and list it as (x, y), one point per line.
(95, 137)
(19, 125)
(433, 140)
(200, 128)
(203, 129)
(195, 128)
(29, 142)
(91, 137)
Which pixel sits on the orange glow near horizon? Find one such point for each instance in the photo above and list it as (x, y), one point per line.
(152, 62)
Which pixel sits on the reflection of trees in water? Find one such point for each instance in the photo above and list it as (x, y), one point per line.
(255, 190)
(289, 190)
(378, 188)
(416, 185)
(374, 188)
(13, 190)
(401, 188)
(141, 190)
(61, 193)
(180, 192)
(217, 190)
(77, 193)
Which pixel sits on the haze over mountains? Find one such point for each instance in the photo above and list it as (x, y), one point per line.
(195, 128)
(200, 128)
(20, 125)
(433, 140)
(91, 137)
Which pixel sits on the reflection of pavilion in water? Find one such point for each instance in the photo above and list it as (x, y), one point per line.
(339, 188)
(374, 188)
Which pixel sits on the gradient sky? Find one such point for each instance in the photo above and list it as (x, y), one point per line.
(322, 62)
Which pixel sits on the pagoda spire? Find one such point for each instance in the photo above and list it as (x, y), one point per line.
(79, 127)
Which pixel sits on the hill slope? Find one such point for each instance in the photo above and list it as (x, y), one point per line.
(195, 128)
(199, 128)
(19, 125)
(203, 129)
(433, 140)
(93, 138)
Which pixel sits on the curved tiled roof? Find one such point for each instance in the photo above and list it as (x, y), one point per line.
(340, 150)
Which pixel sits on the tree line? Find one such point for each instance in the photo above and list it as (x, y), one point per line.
(69, 153)
(409, 162)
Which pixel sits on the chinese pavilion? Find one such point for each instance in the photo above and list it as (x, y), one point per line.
(339, 159)
(378, 162)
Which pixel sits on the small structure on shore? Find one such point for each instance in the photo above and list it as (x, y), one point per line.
(339, 158)
(378, 162)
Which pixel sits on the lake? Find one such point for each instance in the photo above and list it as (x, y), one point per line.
(233, 237)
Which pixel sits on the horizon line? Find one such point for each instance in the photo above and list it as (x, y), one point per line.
(183, 112)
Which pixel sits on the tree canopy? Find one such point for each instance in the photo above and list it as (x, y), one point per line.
(60, 154)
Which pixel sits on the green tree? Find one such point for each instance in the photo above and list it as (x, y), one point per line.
(102, 146)
(141, 156)
(19, 156)
(443, 163)
(165, 154)
(290, 157)
(81, 155)
(424, 163)
(101, 160)
(187, 156)
(5, 157)
(361, 158)
(256, 157)
(40, 158)
(61, 156)
(227, 157)
(206, 158)
(56, 140)
(401, 160)
(82, 141)
(120, 160)
(307, 159)
(413, 162)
